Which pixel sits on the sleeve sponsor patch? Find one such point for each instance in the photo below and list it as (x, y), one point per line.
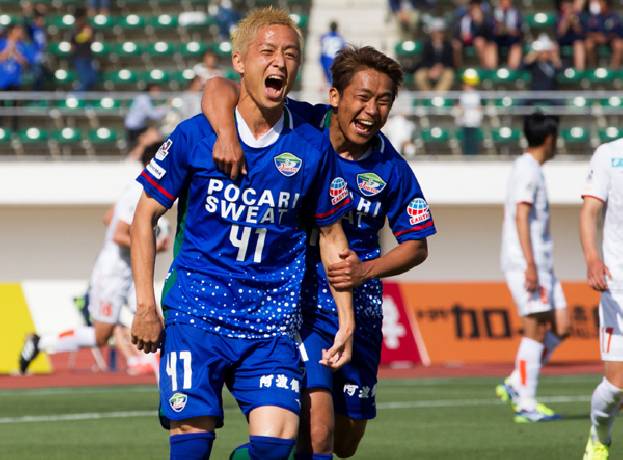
(418, 211)
(163, 151)
(338, 190)
(156, 170)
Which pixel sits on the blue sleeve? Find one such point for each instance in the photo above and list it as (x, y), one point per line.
(408, 212)
(314, 114)
(330, 192)
(166, 174)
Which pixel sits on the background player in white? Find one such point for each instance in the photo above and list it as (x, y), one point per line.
(604, 194)
(527, 262)
(110, 287)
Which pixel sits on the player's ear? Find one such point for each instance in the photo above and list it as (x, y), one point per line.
(236, 60)
(334, 97)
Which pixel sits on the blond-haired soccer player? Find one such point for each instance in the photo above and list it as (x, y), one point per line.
(604, 195)
(232, 297)
(527, 262)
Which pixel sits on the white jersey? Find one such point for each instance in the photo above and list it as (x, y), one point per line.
(605, 182)
(526, 184)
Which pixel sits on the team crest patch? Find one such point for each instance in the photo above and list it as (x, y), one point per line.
(178, 402)
(163, 151)
(338, 190)
(418, 211)
(288, 164)
(370, 184)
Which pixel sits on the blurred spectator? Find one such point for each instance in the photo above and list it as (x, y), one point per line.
(208, 68)
(401, 133)
(543, 62)
(15, 54)
(82, 56)
(474, 28)
(37, 33)
(507, 34)
(470, 112)
(603, 27)
(186, 105)
(570, 32)
(437, 66)
(99, 6)
(226, 17)
(141, 111)
(330, 44)
(407, 13)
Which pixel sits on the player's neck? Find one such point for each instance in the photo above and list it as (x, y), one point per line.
(260, 120)
(537, 153)
(343, 146)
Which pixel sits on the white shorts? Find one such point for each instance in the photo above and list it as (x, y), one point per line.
(611, 325)
(108, 294)
(548, 297)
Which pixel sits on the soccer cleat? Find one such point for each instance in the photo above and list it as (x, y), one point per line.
(595, 450)
(29, 352)
(506, 393)
(536, 415)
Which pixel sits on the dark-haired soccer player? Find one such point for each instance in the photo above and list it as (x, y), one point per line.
(528, 265)
(232, 296)
(338, 404)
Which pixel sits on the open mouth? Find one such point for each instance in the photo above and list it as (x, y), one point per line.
(364, 127)
(274, 85)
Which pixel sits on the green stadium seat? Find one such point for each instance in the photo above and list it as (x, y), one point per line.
(223, 49)
(121, 77)
(458, 134)
(67, 135)
(300, 20)
(64, 77)
(505, 102)
(576, 134)
(610, 134)
(6, 19)
(434, 101)
(103, 22)
(163, 22)
(71, 103)
(33, 134)
(61, 49)
(107, 103)
(193, 49)
(601, 75)
(435, 134)
(183, 77)
(541, 20)
(5, 135)
(132, 21)
(101, 49)
(61, 22)
(156, 76)
(408, 48)
(233, 75)
(504, 75)
(128, 49)
(570, 76)
(611, 102)
(102, 135)
(160, 49)
(506, 134)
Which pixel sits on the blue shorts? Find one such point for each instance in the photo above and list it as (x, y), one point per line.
(353, 386)
(195, 364)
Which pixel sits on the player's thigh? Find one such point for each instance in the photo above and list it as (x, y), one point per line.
(193, 425)
(103, 332)
(192, 374)
(530, 302)
(107, 297)
(348, 435)
(317, 422)
(611, 327)
(268, 376)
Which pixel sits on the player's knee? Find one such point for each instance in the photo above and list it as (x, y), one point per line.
(348, 435)
(321, 438)
(346, 447)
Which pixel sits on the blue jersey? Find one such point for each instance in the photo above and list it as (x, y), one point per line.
(382, 186)
(240, 245)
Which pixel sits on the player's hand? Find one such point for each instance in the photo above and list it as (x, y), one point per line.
(598, 274)
(229, 157)
(532, 278)
(147, 329)
(348, 273)
(341, 351)
(163, 244)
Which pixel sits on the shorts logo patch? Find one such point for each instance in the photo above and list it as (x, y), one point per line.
(288, 164)
(616, 162)
(178, 402)
(155, 169)
(370, 184)
(163, 151)
(418, 211)
(338, 190)
(350, 389)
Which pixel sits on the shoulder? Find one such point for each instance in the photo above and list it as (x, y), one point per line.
(606, 151)
(307, 133)
(195, 128)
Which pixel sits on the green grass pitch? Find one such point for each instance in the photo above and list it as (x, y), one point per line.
(454, 418)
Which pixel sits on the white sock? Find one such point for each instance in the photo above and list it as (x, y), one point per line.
(70, 340)
(605, 405)
(551, 342)
(527, 367)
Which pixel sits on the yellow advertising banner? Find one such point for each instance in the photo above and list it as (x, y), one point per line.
(478, 322)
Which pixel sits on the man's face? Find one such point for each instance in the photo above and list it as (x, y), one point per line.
(17, 33)
(269, 64)
(551, 146)
(364, 105)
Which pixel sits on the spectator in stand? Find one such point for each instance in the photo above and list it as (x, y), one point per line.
(39, 40)
(603, 27)
(208, 68)
(470, 112)
(507, 34)
(15, 54)
(99, 6)
(82, 56)
(474, 28)
(543, 63)
(570, 32)
(330, 44)
(401, 133)
(226, 17)
(437, 66)
(141, 112)
(407, 13)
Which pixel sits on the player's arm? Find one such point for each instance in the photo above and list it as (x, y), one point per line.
(332, 242)
(219, 100)
(522, 221)
(351, 272)
(121, 236)
(147, 324)
(590, 217)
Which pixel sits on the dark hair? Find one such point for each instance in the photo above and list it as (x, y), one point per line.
(333, 26)
(352, 59)
(538, 126)
(149, 152)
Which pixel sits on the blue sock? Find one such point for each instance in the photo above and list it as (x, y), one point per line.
(299, 456)
(191, 446)
(268, 448)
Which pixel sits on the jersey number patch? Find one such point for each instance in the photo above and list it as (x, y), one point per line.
(242, 242)
(187, 376)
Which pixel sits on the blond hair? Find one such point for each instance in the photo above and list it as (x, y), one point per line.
(248, 27)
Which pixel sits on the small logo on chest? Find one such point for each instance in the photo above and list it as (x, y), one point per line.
(370, 184)
(288, 164)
